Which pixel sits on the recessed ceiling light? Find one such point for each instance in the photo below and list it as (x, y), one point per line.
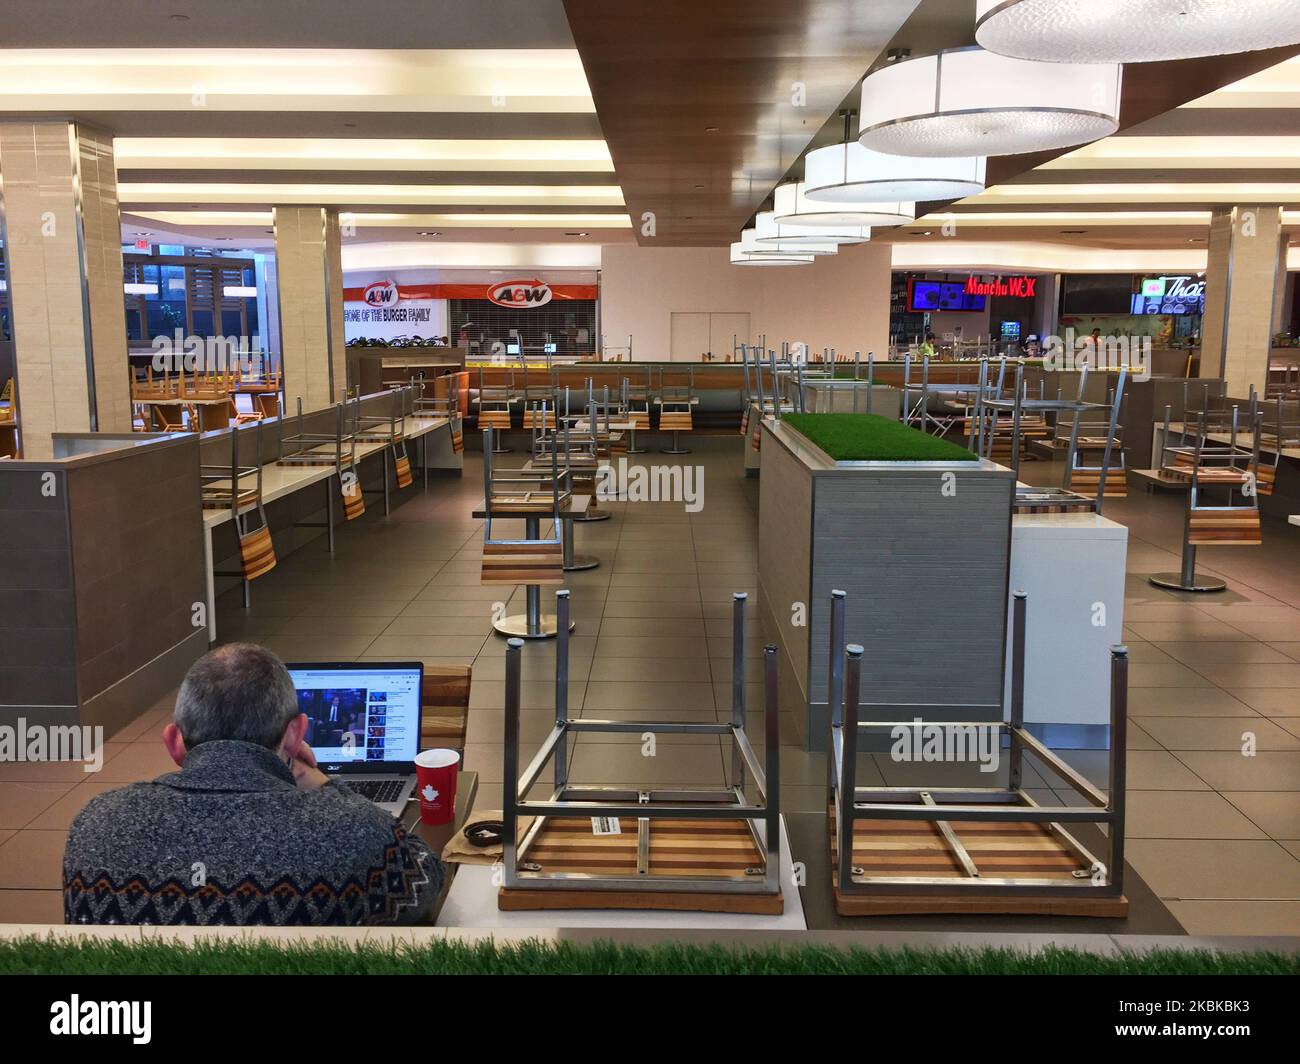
(711, 129)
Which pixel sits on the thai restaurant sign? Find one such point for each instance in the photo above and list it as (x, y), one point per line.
(1015, 287)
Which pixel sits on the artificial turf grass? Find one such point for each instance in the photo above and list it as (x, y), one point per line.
(52, 956)
(871, 438)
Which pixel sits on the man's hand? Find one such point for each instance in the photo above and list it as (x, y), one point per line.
(305, 773)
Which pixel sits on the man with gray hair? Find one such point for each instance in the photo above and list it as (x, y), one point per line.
(249, 831)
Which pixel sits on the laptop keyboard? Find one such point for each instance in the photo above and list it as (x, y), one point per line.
(378, 790)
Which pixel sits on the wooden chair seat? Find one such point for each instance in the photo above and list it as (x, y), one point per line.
(256, 553)
(354, 501)
(744, 421)
(541, 563)
(1085, 482)
(675, 421)
(541, 501)
(219, 498)
(494, 419)
(640, 419)
(323, 455)
(444, 704)
(1234, 527)
(539, 419)
(457, 437)
(402, 471)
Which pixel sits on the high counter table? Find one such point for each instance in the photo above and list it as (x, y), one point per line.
(280, 481)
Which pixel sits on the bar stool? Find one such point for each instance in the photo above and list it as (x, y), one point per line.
(533, 561)
(675, 404)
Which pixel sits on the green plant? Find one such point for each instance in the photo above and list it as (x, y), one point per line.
(871, 438)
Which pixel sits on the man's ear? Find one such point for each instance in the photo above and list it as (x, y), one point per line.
(293, 733)
(175, 743)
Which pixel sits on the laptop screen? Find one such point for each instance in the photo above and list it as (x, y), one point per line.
(361, 717)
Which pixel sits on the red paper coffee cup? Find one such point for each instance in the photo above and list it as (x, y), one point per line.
(435, 784)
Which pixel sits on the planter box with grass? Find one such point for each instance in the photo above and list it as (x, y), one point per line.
(917, 531)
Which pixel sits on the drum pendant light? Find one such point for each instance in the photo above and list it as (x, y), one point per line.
(1133, 31)
(749, 241)
(793, 206)
(767, 231)
(968, 101)
(849, 172)
(741, 257)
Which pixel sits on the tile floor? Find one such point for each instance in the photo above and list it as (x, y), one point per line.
(1215, 833)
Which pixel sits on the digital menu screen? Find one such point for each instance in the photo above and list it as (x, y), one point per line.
(930, 296)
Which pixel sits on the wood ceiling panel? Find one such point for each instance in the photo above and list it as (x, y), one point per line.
(662, 72)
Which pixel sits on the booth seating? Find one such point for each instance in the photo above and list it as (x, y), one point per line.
(676, 401)
(444, 704)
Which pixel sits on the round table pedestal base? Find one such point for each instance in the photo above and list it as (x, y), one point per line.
(582, 561)
(516, 627)
(593, 515)
(1174, 582)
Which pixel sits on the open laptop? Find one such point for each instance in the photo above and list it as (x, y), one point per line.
(364, 724)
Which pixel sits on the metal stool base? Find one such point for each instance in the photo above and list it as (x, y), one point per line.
(580, 562)
(516, 626)
(592, 515)
(1174, 582)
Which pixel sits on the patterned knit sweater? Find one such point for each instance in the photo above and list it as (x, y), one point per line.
(231, 840)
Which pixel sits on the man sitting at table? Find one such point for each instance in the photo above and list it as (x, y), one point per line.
(249, 831)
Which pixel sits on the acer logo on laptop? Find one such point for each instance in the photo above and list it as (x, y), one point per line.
(520, 294)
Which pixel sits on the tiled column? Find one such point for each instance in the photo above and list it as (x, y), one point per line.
(1247, 254)
(309, 277)
(63, 243)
